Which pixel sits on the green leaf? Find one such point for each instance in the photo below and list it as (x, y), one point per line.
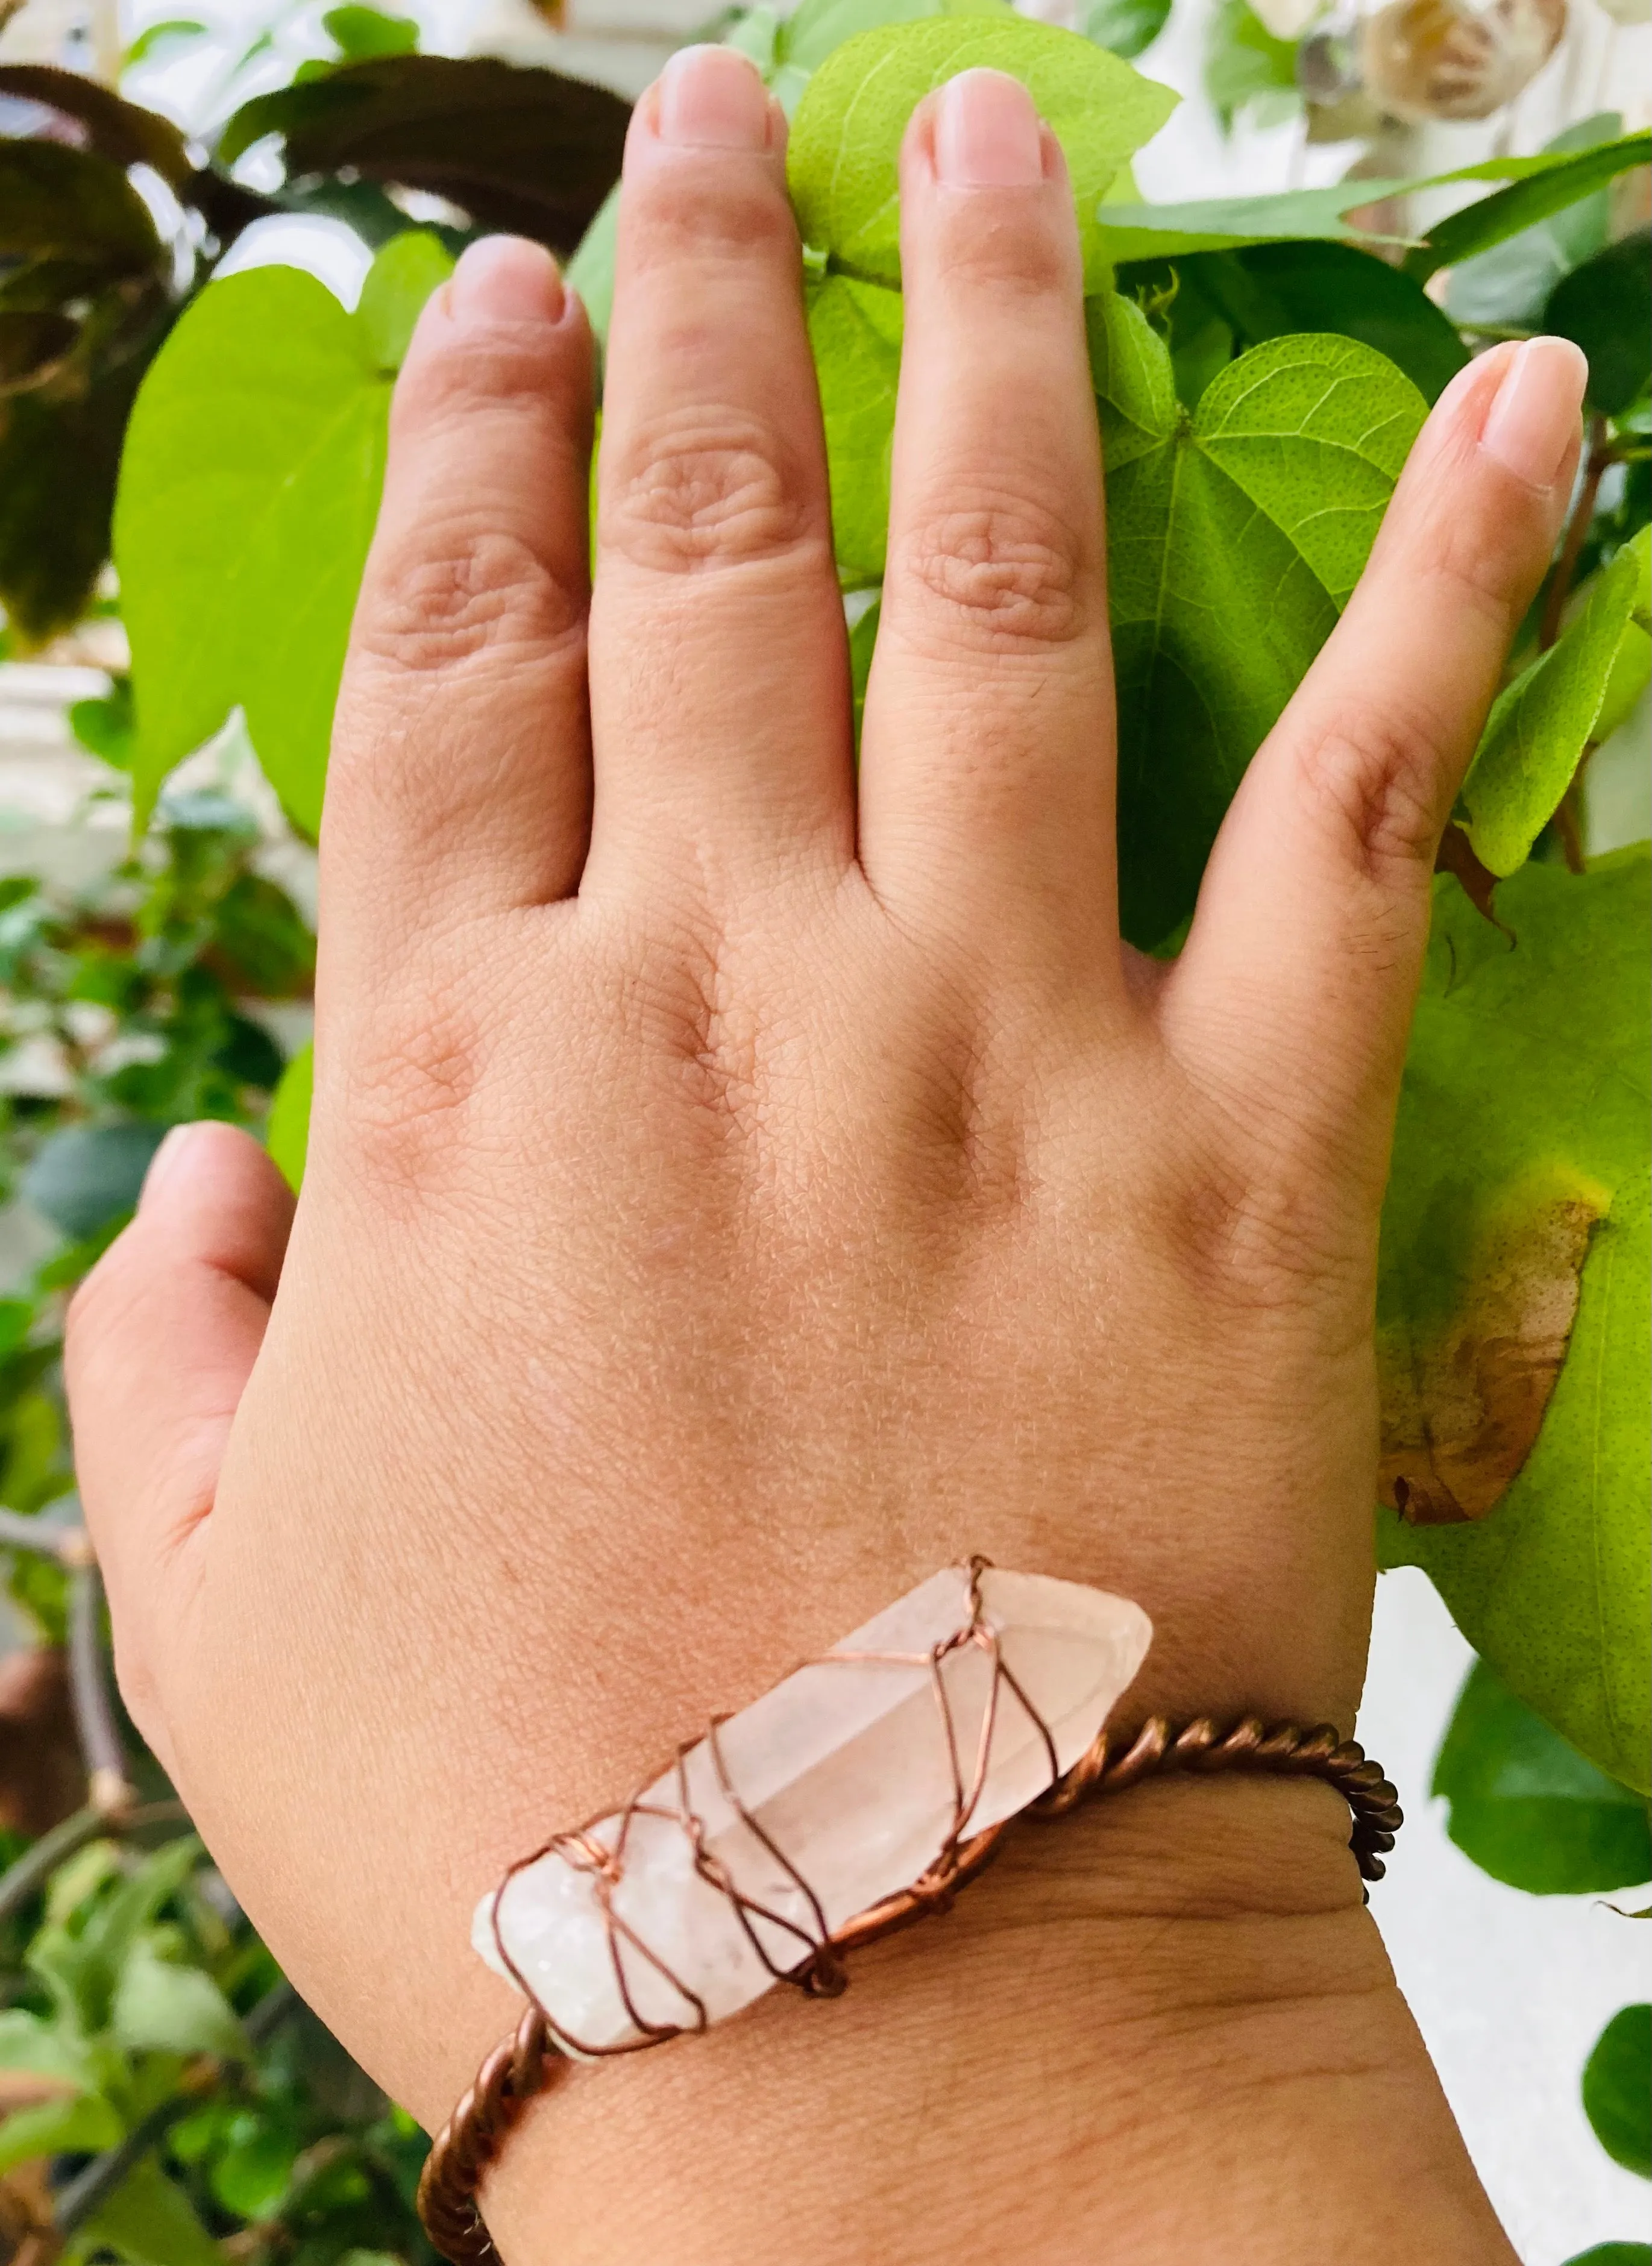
(360, 32)
(1631, 672)
(591, 270)
(163, 2008)
(855, 332)
(40, 2048)
(121, 131)
(1543, 185)
(862, 643)
(87, 1175)
(408, 269)
(1614, 2253)
(1606, 306)
(1246, 68)
(88, 1966)
(841, 163)
(1507, 285)
(104, 727)
(1618, 2089)
(252, 2175)
(248, 491)
(525, 149)
(1126, 27)
(58, 204)
(79, 2126)
(1234, 537)
(1540, 726)
(1270, 290)
(176, 31)
(288, 1137)
(803, 41)
(1528, 1065)
(1540, 186)
(149, 2221)
(1528, 1807)
(59, 457)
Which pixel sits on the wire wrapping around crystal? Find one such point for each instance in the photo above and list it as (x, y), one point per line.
(528, 2061)
(817, 1970)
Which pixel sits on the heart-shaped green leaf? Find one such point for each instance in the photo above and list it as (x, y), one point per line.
(843, 161)
(1235, 534)
(249, 487)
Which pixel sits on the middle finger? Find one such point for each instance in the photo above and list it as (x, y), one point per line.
(720, 678)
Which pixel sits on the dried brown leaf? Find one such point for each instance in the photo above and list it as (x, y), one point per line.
(1461, 1407)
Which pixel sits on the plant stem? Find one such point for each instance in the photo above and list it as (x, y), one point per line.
(109, 1790)
(33, 1870)
(76, 2202)
(1599, 455)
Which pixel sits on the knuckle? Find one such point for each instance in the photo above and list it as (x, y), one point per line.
(410, 1090)
(461, 588)
(1253, 1230)
(1379, 777)
(1006, 576)
(703, 486)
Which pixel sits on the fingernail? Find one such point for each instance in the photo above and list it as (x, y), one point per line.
(713, 99)
(505, 279)
(168, 1161)
(1532, 421)
(987, 134)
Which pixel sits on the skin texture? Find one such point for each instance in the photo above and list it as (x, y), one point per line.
(736, 1190)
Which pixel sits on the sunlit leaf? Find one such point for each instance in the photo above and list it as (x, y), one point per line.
(165, 2007)
(1537, 732)
(1527, 1063)
(248, 491)
(855, 331)
(842, 161)
(288, 1134)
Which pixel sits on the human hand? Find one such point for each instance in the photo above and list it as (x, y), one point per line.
(736, 1189)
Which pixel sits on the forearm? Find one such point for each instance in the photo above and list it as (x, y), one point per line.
(1161, 2031)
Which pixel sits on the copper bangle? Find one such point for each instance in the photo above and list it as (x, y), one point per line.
(527, 2063)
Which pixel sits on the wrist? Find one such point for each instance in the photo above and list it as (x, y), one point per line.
(1111, 2047)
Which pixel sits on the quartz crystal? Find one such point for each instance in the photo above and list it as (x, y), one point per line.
(846, 1769)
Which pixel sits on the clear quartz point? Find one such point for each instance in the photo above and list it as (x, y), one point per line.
(845, 1773)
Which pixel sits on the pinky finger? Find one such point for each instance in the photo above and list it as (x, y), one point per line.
(1301, 969)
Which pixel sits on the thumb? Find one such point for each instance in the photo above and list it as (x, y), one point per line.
(160, 1341)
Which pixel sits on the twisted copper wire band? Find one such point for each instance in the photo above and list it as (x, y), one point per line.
(470, 2142)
